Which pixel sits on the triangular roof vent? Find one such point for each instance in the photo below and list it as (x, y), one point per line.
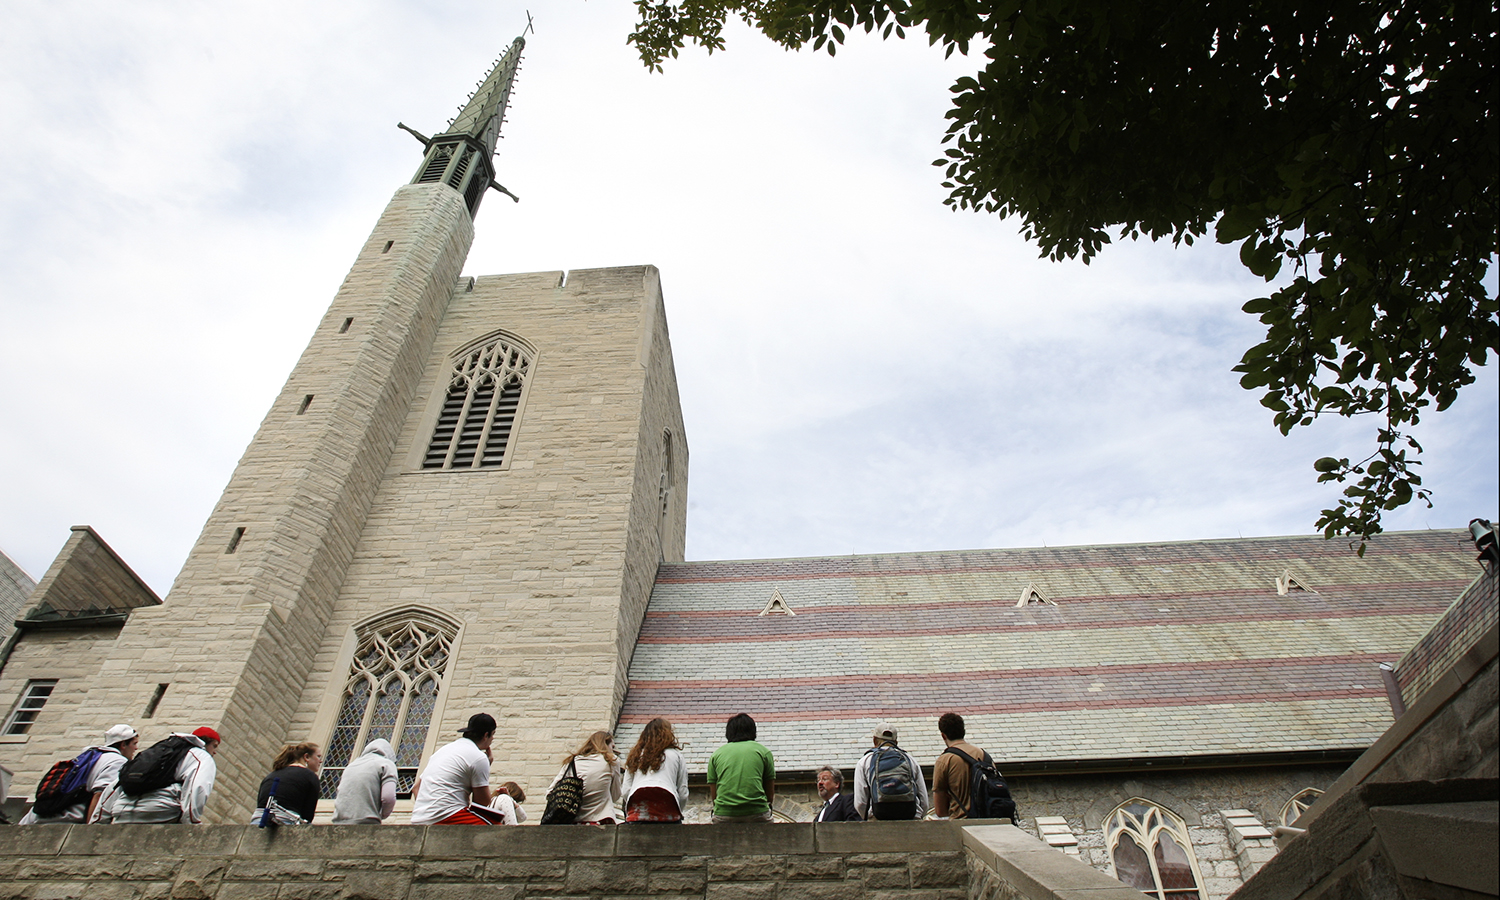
(776, 606)
(1033, 596)
(1290, 584)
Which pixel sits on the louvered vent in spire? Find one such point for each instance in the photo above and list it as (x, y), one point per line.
(461, 157)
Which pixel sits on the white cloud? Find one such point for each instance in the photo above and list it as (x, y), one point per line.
(861, 368)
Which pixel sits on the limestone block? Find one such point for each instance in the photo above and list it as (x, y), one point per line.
(817, 890)
(468, 842)
(198, 879)
(273, 869)
(614, 876)
(151, 841)
(741, 891)
(937, 870)
(914, 837)
(813, 867)
(525, 869)
(257, 890)
(746, 868)
(873, 878)
(448, 870)
(667, 882)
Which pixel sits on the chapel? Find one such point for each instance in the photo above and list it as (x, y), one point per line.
(470, 496)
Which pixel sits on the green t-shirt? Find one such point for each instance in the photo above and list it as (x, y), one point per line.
(741, 771)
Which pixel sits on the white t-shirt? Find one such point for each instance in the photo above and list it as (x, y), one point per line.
(451, 774)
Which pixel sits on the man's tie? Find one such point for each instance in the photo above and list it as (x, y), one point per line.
(824, 811)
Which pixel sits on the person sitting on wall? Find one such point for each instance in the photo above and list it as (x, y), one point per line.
(741, 775)
(888, 782)
(456, 774)
(656, 784)
(116, 749)
(366, 794)
(507, 802)
(951, 776)
(596, 763)
(837, 807)
(183, 799)
(294, 783)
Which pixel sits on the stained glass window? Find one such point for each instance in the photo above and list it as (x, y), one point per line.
(1152, 852)
(391, 693)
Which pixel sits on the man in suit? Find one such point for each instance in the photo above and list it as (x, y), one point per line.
(836, 807)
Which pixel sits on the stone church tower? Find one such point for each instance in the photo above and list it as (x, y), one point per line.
(456, 504)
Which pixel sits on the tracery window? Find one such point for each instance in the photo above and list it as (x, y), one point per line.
(479, 411)
(1151, 851)
(1298, 805)
(391, 693)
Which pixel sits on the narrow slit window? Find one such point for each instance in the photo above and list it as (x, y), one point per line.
(479, 410)
(234, 540)
(155, 701)
(306, 402)
(344, 328)
(388, 246)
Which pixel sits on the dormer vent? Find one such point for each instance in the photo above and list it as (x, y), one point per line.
(1033, 595)
(776, 606)
(1290, 584)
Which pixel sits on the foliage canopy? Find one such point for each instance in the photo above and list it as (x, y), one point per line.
(1353, 142)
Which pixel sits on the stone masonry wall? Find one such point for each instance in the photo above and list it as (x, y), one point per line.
(888, 861)
(72, 656)
(545, 561)
(239, 630)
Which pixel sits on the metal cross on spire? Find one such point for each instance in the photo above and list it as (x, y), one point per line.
(461, 157)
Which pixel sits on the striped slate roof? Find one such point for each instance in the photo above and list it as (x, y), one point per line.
(1175, 649)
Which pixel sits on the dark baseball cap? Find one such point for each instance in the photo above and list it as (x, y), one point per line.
(480, 723)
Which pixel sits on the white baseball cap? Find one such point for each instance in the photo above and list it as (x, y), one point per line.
(118, 735)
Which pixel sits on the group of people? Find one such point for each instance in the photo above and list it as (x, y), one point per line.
(171, 781)
(115, 782)
(651, 783)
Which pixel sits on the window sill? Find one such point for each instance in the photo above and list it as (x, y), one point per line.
(14, 738)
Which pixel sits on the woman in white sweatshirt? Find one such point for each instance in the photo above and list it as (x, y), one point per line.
(656, 786)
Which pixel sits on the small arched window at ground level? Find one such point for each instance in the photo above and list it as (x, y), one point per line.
(391, 693)
(1298, 805)
(1152, 852)
(483, 399)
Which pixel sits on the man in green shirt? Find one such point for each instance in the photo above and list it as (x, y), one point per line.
(741, 775)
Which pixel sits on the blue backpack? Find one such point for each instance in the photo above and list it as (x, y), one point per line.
(65, 784)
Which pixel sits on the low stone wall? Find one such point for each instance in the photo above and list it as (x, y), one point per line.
(891, 861)
(836, 861)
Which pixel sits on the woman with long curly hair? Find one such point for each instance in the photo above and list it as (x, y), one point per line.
(293, 781)
(656, 784)
(596, 763)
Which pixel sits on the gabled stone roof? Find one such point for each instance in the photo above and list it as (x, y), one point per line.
(1145, 650)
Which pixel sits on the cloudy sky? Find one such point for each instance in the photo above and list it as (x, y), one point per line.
(183, 186)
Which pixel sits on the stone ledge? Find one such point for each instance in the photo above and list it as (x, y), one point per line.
(1035, 870)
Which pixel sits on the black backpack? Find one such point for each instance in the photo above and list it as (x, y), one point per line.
(989, 795)
(155, 767)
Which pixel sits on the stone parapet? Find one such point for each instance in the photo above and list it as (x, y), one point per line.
(837, 861)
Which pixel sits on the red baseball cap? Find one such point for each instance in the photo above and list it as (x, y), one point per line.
(208, 734)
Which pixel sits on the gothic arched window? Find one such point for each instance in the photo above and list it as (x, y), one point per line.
(1298, 805)
(391, 693)
(479, 411)
(1151, 851)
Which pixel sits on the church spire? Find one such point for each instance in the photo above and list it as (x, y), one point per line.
(461, 157)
